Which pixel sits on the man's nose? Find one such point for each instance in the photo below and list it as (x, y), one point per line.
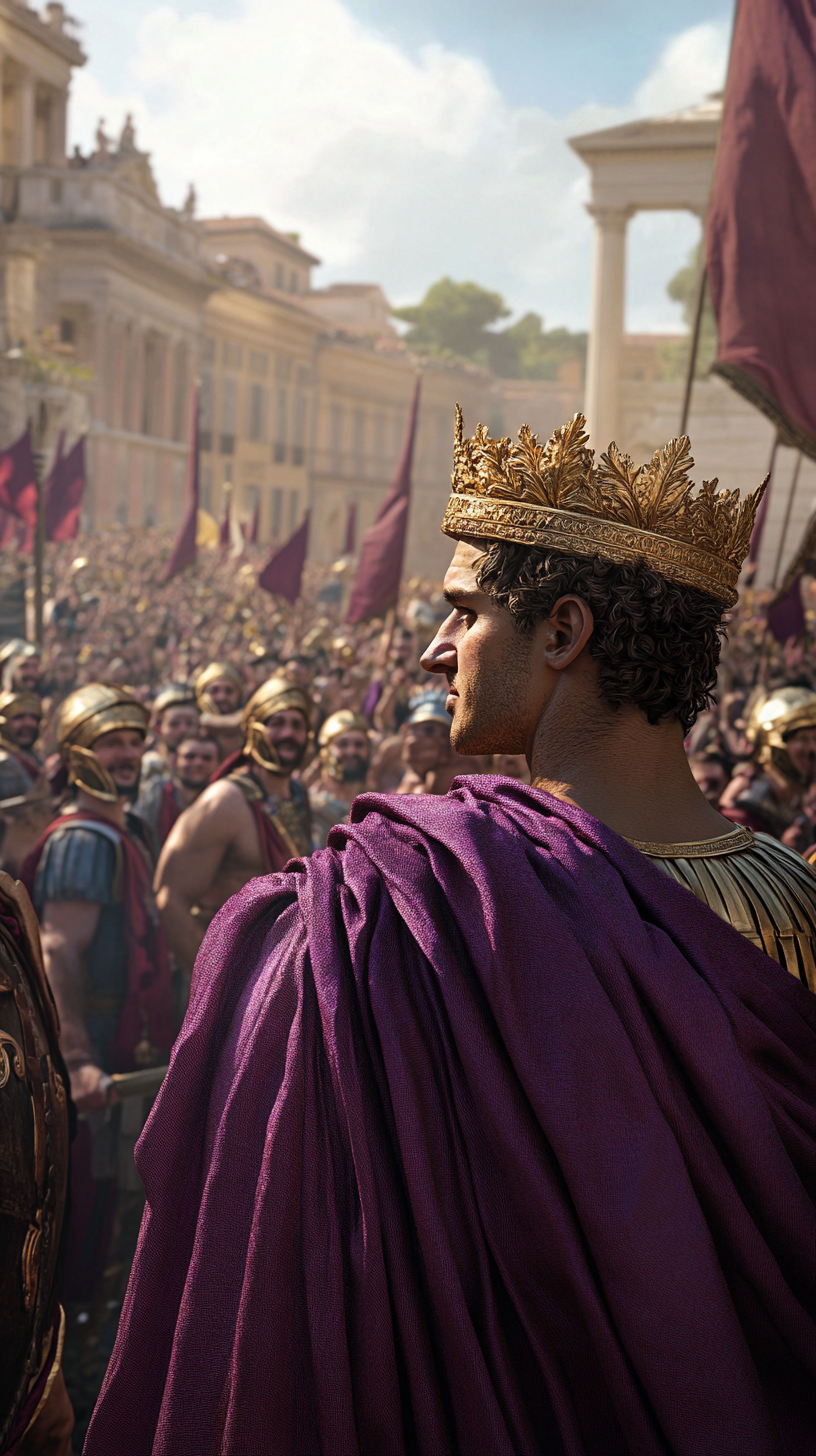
(439, 655)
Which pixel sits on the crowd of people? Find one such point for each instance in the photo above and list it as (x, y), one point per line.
(172, 741)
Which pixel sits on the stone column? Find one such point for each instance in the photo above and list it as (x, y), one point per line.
(56, 128)
(606, 329)
(26, 120)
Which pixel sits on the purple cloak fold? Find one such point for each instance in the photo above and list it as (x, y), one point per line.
(482, 1136)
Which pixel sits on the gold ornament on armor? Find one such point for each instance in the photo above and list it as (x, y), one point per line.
(552, 495)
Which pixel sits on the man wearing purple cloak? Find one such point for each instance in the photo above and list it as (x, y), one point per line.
(490, 1130)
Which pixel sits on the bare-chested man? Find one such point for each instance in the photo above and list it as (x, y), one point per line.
(219, 692)
(248, 823)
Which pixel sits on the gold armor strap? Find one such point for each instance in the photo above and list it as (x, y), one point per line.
(85, 770)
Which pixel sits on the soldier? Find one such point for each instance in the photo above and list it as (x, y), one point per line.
(36, 1418)
(219, 692)
(25, 799)
(248, 823)
(175, 716)
(345, 751)
(20, 717)
(431, 764)
(104, 948)
(195, 760)
(768, 796)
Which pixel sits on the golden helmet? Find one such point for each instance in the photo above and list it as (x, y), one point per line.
(173, 695)
(210, 674)
(276, 695)
(343, 721)
(773, 719)
(85, 715)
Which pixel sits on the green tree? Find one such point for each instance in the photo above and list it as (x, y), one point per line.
(452, 318)
(452, 322)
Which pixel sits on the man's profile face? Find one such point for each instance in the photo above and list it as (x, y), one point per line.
(26, 728)
(120, 752)
(801, 747)
(350, 753)
(223, 693)
(288, 733)
(424, 745)
(494, 697)
(196, 762)
(177, 723)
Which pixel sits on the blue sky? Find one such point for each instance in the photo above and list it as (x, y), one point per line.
(406, 141)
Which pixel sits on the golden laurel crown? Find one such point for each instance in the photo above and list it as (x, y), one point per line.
(554, 495)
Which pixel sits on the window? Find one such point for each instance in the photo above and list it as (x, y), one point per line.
(149, 489)
(67, 331)
(258, 363)
(252, 500)
(279, 275)
(56, 191)
(256, 422)
(277, 513)
(208, 351)
(358, 439)
(229, 413)
(205, 412)
(179, 391)
(153, 384)
(336, 437)
(294, 504)
(283, 369)
(232, 355)
(299, 428)
(379, 436)
(281, 417)
(293, 282)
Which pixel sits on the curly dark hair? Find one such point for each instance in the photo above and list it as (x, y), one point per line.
(657, 643)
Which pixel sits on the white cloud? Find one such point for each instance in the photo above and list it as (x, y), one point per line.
(392, 168)
(691, 66)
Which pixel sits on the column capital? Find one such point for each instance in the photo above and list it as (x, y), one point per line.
(610, 218)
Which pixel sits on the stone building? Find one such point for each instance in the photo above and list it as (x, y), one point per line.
(666, 163)
(304, 392)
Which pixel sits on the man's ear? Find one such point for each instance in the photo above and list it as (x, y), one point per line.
(567, 631)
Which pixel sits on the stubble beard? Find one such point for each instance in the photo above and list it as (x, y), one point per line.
(489, 711)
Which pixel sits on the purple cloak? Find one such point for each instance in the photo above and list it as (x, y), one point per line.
(482, 1136)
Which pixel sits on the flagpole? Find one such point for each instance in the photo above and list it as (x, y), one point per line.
(702, 274)
(38, 454)
(788, 509)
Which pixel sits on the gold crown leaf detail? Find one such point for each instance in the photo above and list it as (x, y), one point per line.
(616, 509)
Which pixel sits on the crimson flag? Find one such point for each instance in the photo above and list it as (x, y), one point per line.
(184, 551)
(283, 571)
(18, 489)
(64, 491)
(351, 530)
(376, 585)
(786, 617)
(761, 232)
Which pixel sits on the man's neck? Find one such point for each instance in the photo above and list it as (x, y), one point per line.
(347, 791)
(187, 795)
(277, 784)
(87, 804)
(630, 774)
